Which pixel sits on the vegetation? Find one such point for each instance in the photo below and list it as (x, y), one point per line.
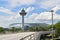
(31, 29)
(11, 30)
(2, 30)
(56, 29)
(39, 28)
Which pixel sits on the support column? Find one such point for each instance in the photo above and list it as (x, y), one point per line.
(23, 23)
(52, 28)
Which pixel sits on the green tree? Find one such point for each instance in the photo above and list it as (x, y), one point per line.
(31, 29)
(13, 29)
(50, 27)
(2, 30)
(40, 28)
(57, 26)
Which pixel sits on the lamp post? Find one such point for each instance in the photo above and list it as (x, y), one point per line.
(22, 13)
(52, 25)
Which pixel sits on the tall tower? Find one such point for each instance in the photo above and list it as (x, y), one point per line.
(22, 13)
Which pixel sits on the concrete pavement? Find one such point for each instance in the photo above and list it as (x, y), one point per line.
(15, 36)
(18, 36)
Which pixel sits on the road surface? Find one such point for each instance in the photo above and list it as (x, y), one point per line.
(15, 36)
(18, 36)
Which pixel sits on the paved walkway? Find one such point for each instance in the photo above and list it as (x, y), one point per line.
(15, 36)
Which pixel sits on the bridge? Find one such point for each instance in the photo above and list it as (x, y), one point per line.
(24, 36)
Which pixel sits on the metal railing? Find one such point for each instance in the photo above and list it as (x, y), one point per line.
(35, 36)
(30, 37)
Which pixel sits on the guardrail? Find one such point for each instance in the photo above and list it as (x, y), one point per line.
(35, 36)
(30, 37)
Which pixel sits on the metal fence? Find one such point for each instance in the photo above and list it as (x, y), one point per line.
(31, 37)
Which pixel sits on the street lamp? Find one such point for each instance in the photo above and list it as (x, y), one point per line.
(22, 13)
(52, 25)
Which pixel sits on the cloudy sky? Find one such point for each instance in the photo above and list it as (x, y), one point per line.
(38, 11)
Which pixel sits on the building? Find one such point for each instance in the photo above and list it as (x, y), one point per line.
(26, 25)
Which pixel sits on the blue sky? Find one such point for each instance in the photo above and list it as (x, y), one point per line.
(38, 11)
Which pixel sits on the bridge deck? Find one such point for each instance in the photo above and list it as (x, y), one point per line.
(15, 36)
(24, 35)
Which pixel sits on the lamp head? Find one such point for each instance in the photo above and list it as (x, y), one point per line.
(52, 11)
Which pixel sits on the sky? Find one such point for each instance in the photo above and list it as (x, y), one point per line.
(38, 11)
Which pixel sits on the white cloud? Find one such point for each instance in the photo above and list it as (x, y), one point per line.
(31, 18)
(11, 16)
(6, 20)
(29, 9)
(5, 10)
(56, 8)
(35, 18)
(49, 3)
(14, 3)
(46, 16)
(43, 16)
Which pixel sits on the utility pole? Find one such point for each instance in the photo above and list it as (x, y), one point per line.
(52, 25)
